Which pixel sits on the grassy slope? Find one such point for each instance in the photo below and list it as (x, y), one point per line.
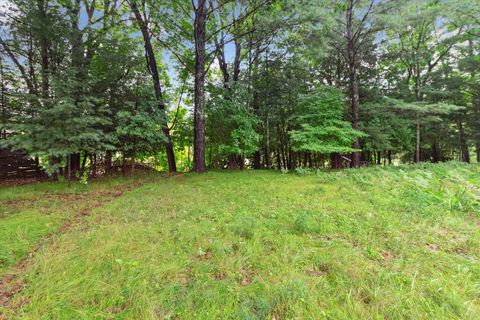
(29, 213)
(392, 243)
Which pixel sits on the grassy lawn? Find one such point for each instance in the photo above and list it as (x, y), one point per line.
(372, 243)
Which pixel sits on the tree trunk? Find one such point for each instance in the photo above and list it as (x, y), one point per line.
(232, 162)
(353, 79)
(335, 161)
(435, 153)
(256, 160)
(417, 144)
(93, 159)
(153, 69)
(74, 163)
(464, 154)
(3, 131)
(279, 159)
(44, 59)
(134, 154)
(199, 107)
(475, 103)
(69, 169)
(108, 161)
(241, 162)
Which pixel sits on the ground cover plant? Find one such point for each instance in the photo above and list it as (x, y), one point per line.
(395, 242)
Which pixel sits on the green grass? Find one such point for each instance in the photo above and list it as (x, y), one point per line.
(394, 243)
(30, 213)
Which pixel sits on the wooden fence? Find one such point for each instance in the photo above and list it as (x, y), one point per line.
(17, 164)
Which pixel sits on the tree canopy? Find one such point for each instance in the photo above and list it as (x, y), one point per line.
(90, 86)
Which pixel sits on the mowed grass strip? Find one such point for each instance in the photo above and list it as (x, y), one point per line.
(29, 213)
(400, 242)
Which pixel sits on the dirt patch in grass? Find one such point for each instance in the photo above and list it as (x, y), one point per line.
(21, 181)
(387, 255)
(10, 284)
(319, 271)
(246, 278)
(64, 198)
(220, 275)
(434, 247)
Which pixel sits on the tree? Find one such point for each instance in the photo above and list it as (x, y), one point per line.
(230, 124)
(352, 36)
(143, 23)
(319, 124)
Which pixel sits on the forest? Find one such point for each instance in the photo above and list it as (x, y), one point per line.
(89, 86)
(239, 159)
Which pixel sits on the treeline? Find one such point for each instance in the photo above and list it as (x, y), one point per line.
(88, 86)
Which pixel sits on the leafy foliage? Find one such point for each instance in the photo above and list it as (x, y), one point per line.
(321, 128)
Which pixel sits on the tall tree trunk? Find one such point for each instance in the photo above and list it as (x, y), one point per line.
(3, 130)
(464, 153)
(199, 107)
(256, 160)
(74, 165)
(435, 153)
(267, 144)
(475, 103)
(108, 161)
(279, 159)
(417, 143)
(153, 69)
(44, 58)
(69, 169)
(134, 155)
(93, 160)
(353, 79)
(334, 161)
(234, 161)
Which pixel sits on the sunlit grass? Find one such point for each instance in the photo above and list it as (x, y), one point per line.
(400, 242)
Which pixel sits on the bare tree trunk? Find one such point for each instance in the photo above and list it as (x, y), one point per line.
(3, 130)
(267, 144)
(256, 160)
(93, 159)
(199, 107)
(74, 163)
(279, 159)
(476, 105)
(435, 152)
(69, 170)
(352, 72)
(464, 154)
(232, 162)
(108, 161)
(134, 154)
(45, 62)
(153, 69)
(417, 144)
